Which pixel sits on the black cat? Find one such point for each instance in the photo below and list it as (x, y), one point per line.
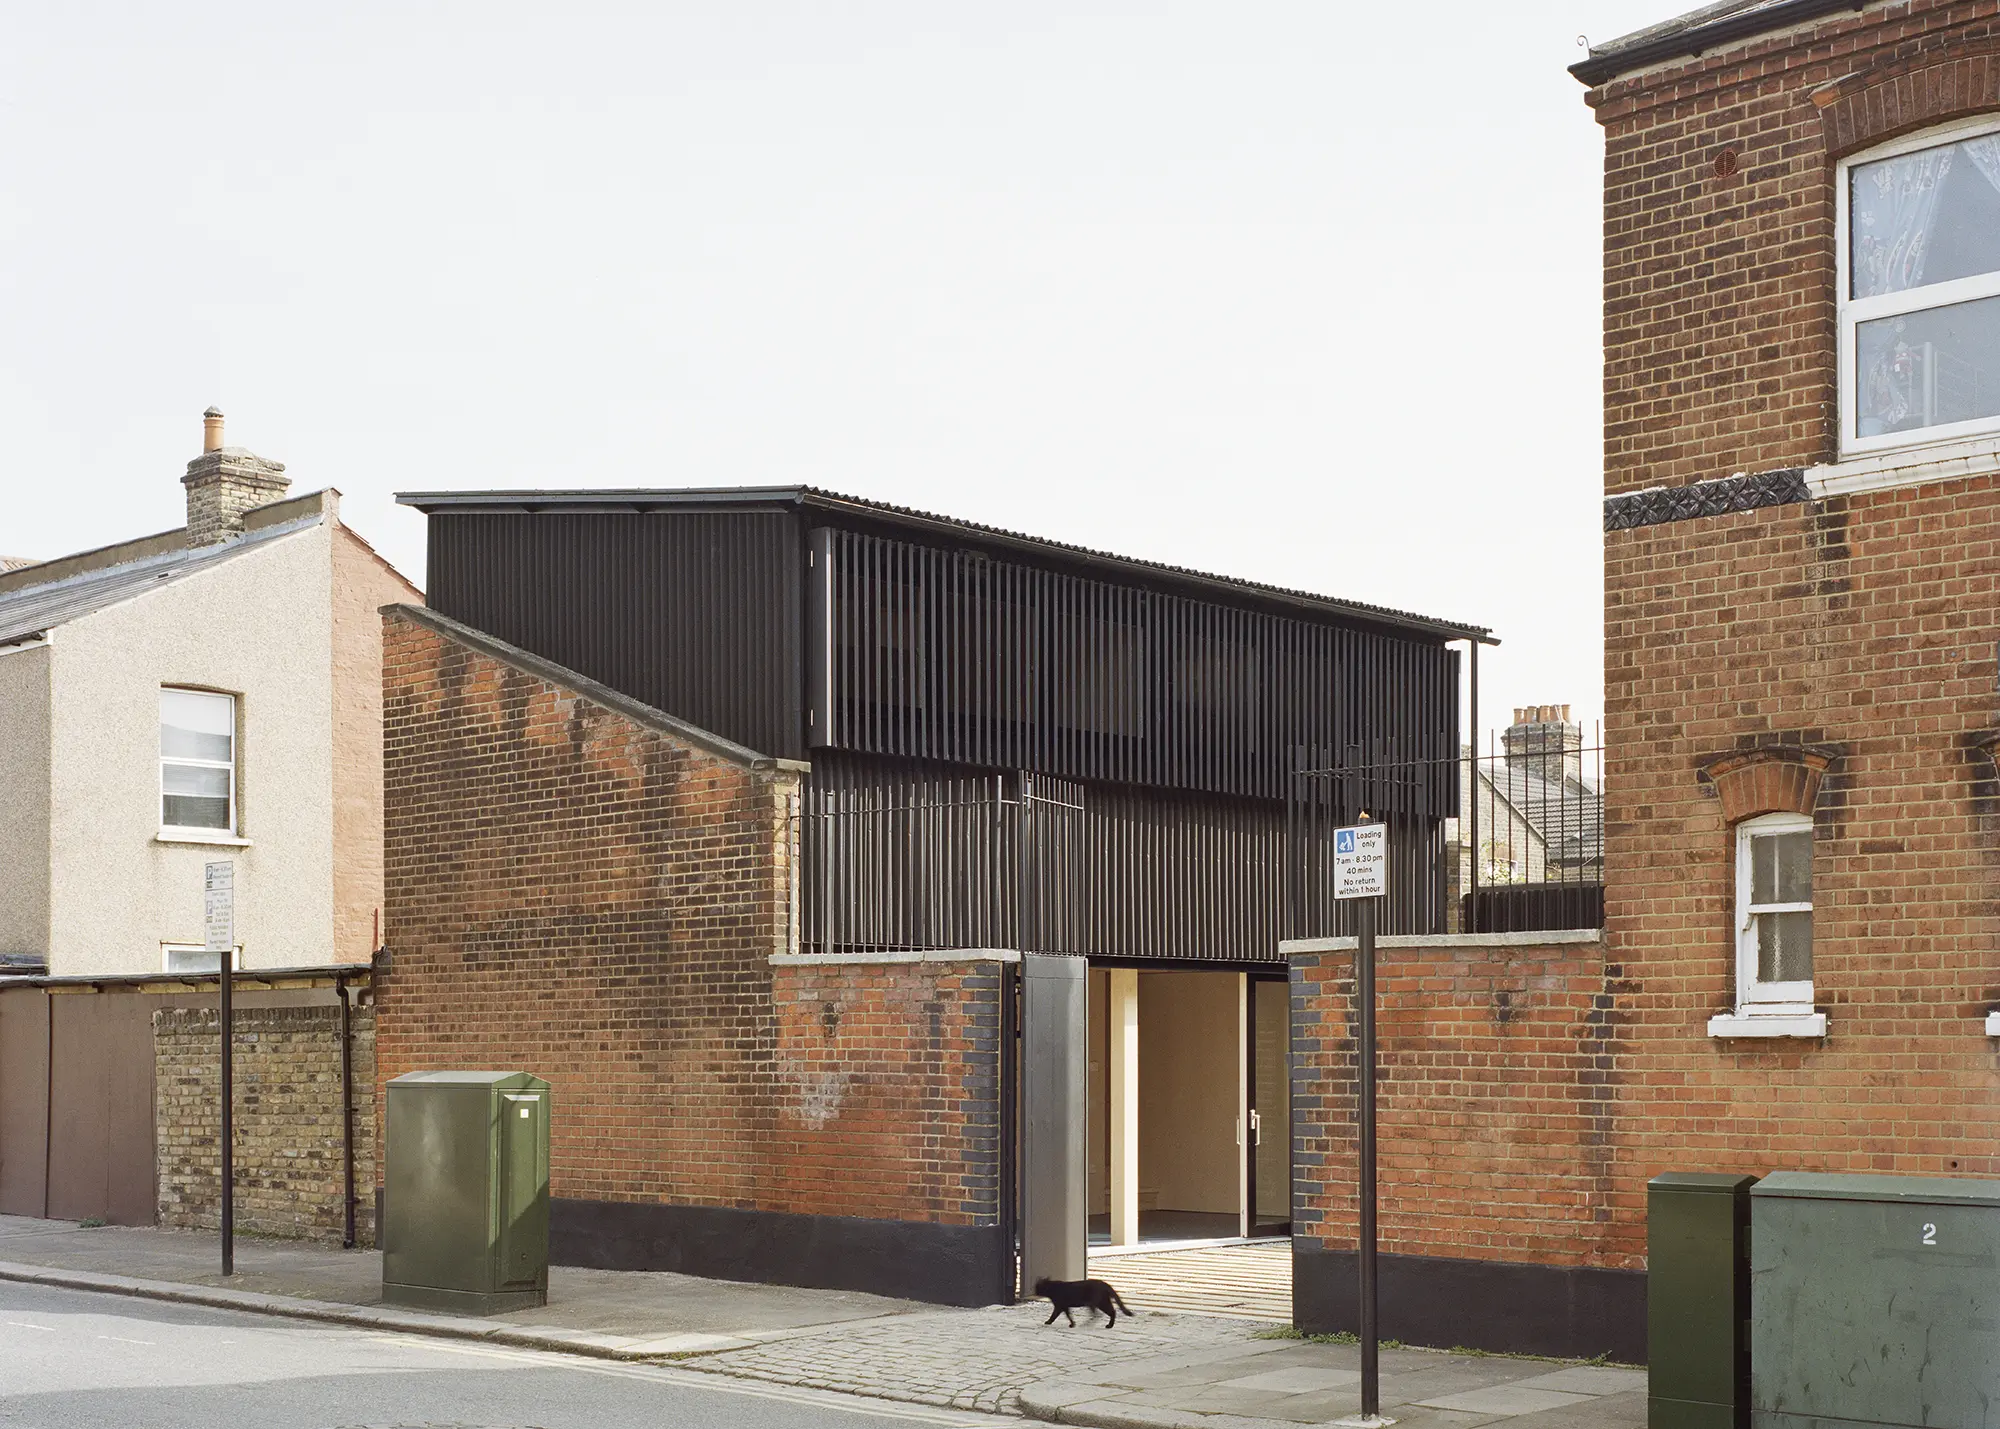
(1068, 1295)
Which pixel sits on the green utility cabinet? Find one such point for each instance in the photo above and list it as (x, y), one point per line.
(1698, 1300)
(1875, 1300)
(465, 1212)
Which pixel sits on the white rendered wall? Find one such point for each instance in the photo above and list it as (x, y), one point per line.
(257, 626)
(24, 800)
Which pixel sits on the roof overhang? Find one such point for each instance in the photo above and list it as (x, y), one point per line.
(1664, 43)
(637, 500)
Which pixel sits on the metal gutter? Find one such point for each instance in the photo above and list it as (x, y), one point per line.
(1612, 61)
(639, 500)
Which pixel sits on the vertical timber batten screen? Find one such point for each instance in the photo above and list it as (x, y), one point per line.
(897, 857)
(948, 654)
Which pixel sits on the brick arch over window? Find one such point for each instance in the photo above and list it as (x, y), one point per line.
(1767, 781)
(1876, 104)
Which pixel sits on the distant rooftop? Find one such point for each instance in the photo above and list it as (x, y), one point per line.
(654, 500)
(1699, 31)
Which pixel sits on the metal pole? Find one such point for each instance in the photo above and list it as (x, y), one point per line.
(228, 1124)
(1472, 800)
(1364, 978)
(346, 1114)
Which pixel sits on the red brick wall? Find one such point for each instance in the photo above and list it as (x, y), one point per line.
(1496, 1096)
(887, 1099)
(1719, 286)
(575, 893)
(1866, 624)
(1863, 625)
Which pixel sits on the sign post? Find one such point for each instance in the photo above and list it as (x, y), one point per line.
(218, 898)
(1361, 872)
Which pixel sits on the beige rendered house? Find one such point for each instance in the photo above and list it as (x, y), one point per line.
(208, 693)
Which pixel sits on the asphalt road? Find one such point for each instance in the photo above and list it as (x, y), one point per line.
(72, 1359)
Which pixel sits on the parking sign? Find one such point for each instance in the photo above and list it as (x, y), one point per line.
(1361, 861)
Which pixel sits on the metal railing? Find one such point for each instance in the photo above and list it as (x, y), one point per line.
(1511, 840)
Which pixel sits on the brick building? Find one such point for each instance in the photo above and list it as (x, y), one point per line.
(1802, 477)
(1798, 966)
(737, 814)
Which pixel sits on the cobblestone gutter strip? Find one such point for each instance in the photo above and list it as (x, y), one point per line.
(979, 1360)
(379, 1317)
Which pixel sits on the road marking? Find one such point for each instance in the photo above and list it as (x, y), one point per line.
(24, 1325)
(120, 1339)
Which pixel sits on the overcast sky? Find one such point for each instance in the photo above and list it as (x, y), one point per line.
(1304, 292)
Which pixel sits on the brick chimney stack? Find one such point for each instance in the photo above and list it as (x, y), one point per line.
(1545, 741)
(224, 482)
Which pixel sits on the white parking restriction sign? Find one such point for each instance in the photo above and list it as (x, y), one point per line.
(1361, 861)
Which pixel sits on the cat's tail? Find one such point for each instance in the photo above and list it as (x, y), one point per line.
(1118, 1300)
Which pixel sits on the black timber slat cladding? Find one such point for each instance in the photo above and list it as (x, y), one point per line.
(698, 614)
(900, 854)
(952, 654)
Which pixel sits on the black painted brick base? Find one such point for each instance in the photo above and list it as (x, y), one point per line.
(913, 1260)
(1572, 1311)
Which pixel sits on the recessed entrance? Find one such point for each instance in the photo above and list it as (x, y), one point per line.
(1188, 1105)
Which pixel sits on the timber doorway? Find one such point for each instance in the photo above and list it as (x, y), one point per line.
(1189, 1123)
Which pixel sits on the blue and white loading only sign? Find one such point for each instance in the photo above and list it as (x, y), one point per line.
(1361, 861)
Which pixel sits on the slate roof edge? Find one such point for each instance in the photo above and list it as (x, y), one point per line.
(1660, 43)
(598, 694)
(639, 498)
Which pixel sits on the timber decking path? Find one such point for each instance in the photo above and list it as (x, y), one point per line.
(1160, 1369)
(1249, 1282)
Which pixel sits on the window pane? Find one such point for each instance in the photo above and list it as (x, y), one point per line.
(1784, 947)
(194, 796)
(1927, 217)
(194, 725)
(194, 779)
(1926, 368)
(1794, 860)
(1763, 870)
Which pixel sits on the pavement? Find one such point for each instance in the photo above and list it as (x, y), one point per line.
(1160, 1369)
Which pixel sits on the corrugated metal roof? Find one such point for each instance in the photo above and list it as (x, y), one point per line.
(641, 499)
(35, 609)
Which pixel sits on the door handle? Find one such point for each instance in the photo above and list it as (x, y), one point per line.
(1256, 1129)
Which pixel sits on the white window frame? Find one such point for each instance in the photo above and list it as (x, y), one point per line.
(1755, 997)
(1855, 311)
(167, 951)
(190, 833)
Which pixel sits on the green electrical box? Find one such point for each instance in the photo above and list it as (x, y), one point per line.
(465, 1197)
(1698, 1300)
(1875, 1300)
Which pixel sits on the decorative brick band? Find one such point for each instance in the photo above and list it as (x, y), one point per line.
(1767, 781)
(1658, 505)
(1876, 104)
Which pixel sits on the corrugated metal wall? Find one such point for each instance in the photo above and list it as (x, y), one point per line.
(931, 653)
(698, 614)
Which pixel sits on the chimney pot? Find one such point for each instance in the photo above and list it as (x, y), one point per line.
(211, 430)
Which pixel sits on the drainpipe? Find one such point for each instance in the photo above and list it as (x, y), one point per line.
(346, 1110)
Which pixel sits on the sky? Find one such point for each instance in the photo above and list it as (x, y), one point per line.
(1301, 292)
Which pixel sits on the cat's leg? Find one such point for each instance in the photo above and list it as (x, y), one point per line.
(1054, 1311)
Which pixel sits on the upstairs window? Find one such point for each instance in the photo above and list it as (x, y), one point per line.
(1774, 915)
(197, 761)
(1920, 290)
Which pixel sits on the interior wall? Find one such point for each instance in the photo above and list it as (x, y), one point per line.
(1190, 1079)
(1098, 1155)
